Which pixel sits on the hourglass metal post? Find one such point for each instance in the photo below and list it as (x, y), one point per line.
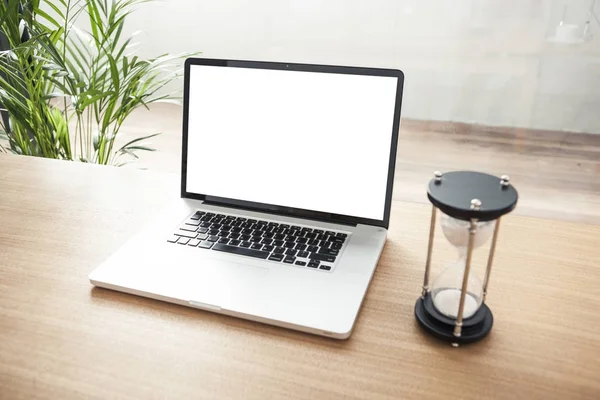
(488, 269)
(475, 205)
(429, 251)
(504, 182)
(438, 178)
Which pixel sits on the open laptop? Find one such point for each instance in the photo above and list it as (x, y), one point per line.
(286, 189)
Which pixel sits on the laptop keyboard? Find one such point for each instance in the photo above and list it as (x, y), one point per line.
(282, 243)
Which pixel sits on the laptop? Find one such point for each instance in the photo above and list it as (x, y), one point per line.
(286, 189)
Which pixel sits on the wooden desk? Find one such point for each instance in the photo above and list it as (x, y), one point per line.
(61, 338)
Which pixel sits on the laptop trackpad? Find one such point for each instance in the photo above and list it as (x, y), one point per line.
(218, 282)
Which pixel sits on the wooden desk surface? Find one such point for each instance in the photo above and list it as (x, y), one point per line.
(61, 338)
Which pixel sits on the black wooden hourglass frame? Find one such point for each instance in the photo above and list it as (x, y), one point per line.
(471, 202)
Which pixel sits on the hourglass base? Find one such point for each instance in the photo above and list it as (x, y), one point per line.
(474, 328)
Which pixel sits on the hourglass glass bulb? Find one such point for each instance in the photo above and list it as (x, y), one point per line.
(457, 232)
(447, 287)
(446, 291)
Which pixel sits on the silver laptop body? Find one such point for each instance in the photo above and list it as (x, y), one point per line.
(286, 190)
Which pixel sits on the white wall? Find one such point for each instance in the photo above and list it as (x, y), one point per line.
(483, 61)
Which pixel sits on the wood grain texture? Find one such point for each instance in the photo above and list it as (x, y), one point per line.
(61, 338)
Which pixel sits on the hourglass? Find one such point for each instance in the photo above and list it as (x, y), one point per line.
(453, 308)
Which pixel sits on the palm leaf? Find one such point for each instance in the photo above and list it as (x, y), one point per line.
(137, 140)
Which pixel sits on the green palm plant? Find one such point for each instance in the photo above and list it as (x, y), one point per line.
(67, 91)
(23, 87)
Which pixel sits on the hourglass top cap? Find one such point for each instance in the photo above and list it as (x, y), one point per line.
(453, 192)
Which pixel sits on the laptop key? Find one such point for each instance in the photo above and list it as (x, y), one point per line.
(203, 230)
(193, 242)
(192, 222)
(291, 252)
(321, 257)
(331, 252)
(279, 250)
(202, 236)
(312, 248)
(336, 246)
(289, 260)
(183, 240)
(186, 234)
(235, 242)
(302, 254)
(324, 243)
(337, 239)
(245, 244)
(173, 239)
(276, 257)
(223, 240)
(300, 246)
(188, 228)
(241, 251)
(301, 263)
(213, 238)
(313, 264)
(268, 247)
(256, 246)
(325, 267)
(289, 245)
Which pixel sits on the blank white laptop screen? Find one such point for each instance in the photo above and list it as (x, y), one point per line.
(308, 140)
